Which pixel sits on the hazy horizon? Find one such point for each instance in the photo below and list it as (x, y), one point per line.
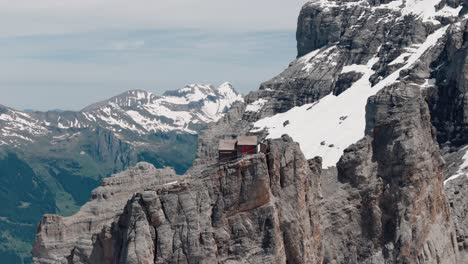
(58, 55)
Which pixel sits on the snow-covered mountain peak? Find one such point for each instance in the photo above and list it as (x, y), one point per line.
(228, 91)
(190, 93)
(185, 110)
(17, 126)
(199, 92)
(181, 110)
(126, 99)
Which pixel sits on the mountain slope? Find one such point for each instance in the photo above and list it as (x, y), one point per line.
(54, 159)
(210, 218)
(185, 110)
(336, 114)
(378, 92)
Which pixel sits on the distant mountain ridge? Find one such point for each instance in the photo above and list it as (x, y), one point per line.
(139, 112)
(50, 161)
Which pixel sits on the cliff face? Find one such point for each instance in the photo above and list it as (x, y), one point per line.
(393, 207)
(260, 209)
(386, 206)
(339, 33)
(378, 92)
(58, 237)
(447, 101)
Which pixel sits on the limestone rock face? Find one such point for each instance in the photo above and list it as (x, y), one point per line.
(448, 103)
(457, 193)
(260, 209)
(335, 34)
(393, 208)
(386, 206)
(383, 202)
(59, 237)
(456, 190)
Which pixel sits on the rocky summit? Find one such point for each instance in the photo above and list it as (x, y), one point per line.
(51, 161)
(239, 211)
(363, 157)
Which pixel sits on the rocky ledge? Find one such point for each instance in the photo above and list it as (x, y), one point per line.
(60, 237)
(386, 204)
(259, 209)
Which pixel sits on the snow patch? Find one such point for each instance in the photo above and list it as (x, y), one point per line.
(180, 118)
(170, 183)
(120, 123)
(256, 106)
(355, 68)
(16, 135)
(153, 124)
(405, 55)
(337, 120)
(422, 9)
(428, 83)
(17, 127)
(90, 117)
(462, 170)
(312, 59)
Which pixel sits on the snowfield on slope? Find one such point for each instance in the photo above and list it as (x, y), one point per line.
(462, 169)
(143, 112)
(256, 106)
(327, 127)
(423, 9)
(135, 111)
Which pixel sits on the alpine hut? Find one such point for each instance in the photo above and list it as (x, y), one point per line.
(246, 145)
(227, 149)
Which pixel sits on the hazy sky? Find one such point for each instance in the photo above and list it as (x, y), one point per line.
(70, 53)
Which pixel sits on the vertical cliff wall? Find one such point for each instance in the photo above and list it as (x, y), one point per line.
(393, 207)
(260, 209)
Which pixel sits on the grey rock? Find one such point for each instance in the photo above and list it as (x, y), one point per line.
(260, 209)
(58, 236)
(457, 193)
(390, 206)
(345, 80)
(448, 106)
(332, 35)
